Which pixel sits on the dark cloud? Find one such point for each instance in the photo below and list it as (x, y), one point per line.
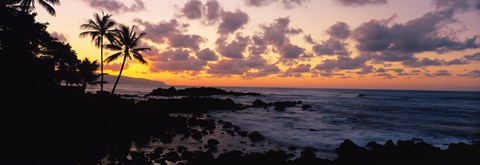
(152, 53)
(209, 13)
(340, 30)
(214, 10)
(380, 70)
(193, 9)
(386, 75)
(116, 6)
(190, 64)
(298, 70)
(331, 47)
(277, 32)
(288, 4)
(258, 3)
(471, 74)
(185, 41)
(456, 62)
(457, 5)
(366, 70)
(232, 21)
(160, 32)
(355, 3)
(309, 39)
(59, 36)
(440, 73)
(171, 32)
(228, 67)
(473, 57)
(415, 36)
(342, 63)
(207, 55)
(258, 47)
(264, 71)
(243, 67)
(290, 51)
(254, 62)
(173, 55)
(389, 56)
(234, 49)
(425, 62)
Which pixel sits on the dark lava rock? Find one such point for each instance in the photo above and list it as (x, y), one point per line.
(173, 157)
(227, 125)
(213, 142)
(182, 149)
(280, 106)
(166, 138)
(255, 136)
(242, 133)
(306, 107)
(197, 135)
(259, 104)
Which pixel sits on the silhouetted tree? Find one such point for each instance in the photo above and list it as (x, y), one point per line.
(86, 71)
(27, 5)
(65, 61)
(99, 28)
(125, 42)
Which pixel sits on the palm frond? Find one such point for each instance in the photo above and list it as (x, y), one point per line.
(113, 47)
(113, 57)
(48, 7)
(141, 49)
(137, 56)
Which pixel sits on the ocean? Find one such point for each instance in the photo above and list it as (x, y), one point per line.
(436, 117)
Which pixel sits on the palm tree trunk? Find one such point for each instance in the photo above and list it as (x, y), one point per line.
(101, 61)
(120, 74)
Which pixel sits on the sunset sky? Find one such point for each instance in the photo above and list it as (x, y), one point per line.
(371, 44)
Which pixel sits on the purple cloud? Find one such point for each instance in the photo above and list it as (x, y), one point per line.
(415, 36)
(185, 41)
(172, 33)
(193, 9)
(340, 30)
(207, 55)
(290, 51)
(331, 47)
(228, 67)
(276, 33)
(232, 21)
(190, 64)
(59, 36)
(298, 70)
(356, 3)
(471, 74)
(473, 57)
(287, 4)
(234, 49)
(342, 63)
(116, 6)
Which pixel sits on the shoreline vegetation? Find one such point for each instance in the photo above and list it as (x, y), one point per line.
(50, 120)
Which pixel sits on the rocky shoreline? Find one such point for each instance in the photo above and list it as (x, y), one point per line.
(111, 130)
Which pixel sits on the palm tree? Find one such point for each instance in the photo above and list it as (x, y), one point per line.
(99, 28)
(26, 5)
(125, 42)
(86, 71)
